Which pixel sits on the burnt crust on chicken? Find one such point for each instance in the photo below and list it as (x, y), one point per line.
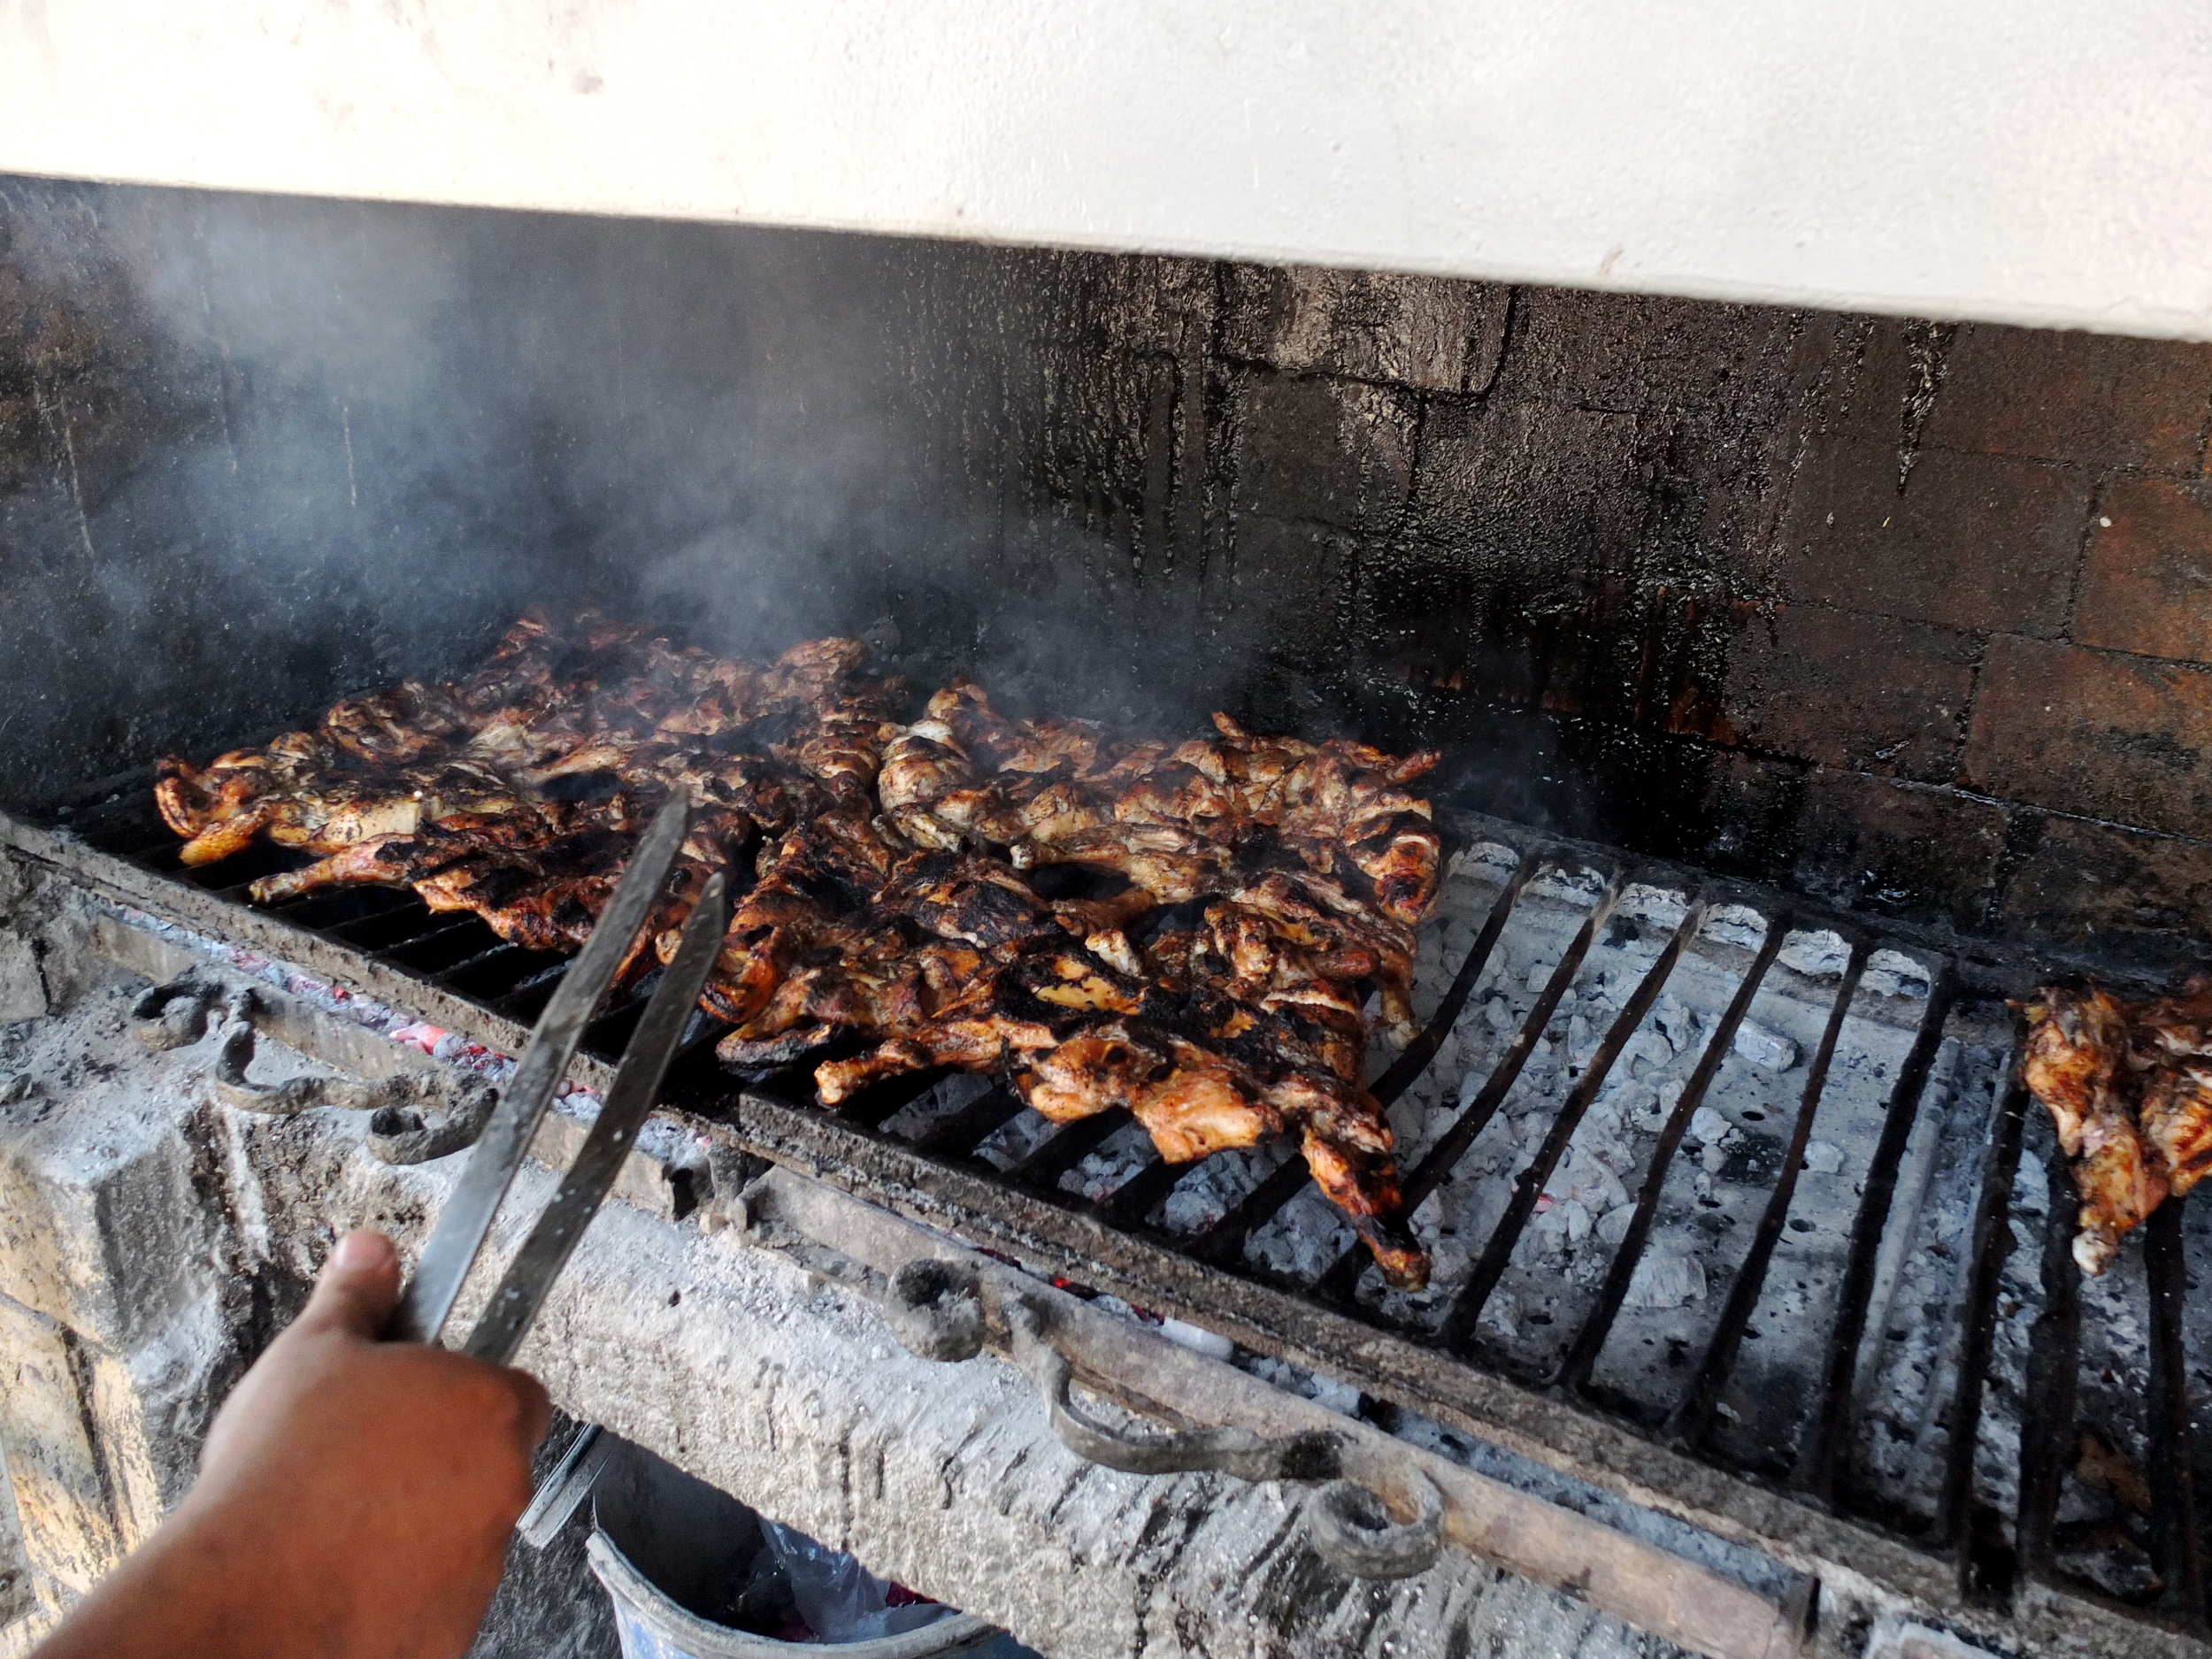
(1186, 933)
(2129, 1089)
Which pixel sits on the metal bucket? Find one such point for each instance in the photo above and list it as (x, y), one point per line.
(679, 1558)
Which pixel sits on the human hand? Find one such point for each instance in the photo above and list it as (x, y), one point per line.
(355, 1498)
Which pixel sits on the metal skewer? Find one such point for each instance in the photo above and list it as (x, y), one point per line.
(466, 1221)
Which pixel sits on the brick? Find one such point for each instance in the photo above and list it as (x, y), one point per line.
(101, 1226)
(22, 988)
(2126, 738)
(1435, 333)
(1640, 353)
(1880, 367)
(54, 1470)
(1973, 542)
(123, 1437)
(1749, 816)
(1138, 302)
(2147, 583)
(2098, 398)
(1872, 693)
(1104, 429)
(1336, 451)
(1897, 849)
(2118, 889)
(1283, 588)
(1552, 492)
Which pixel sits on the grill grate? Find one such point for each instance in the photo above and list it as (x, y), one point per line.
(1628, 937)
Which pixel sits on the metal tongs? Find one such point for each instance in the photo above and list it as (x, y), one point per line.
(459, 1236)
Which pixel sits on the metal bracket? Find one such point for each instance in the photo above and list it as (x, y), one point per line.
(397, 1135)
(568, 1486)
(234, 1054)
(941, 1310)
(402, 1133)
(175, 1015)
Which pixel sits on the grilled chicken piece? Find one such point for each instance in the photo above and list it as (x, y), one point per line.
(1172, 864)
(894, 899)
(408, 723)
(541, 898)
(513, 792)
(813, 901)
(2172, 1050)
(2124, 1100)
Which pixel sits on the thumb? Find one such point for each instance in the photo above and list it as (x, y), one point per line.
(357, 1288)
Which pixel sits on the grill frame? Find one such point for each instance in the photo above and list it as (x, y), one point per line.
(1558, 1425)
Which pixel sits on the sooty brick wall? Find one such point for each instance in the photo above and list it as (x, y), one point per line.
(1911, 614)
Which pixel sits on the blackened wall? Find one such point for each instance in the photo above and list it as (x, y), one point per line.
(1911, 614)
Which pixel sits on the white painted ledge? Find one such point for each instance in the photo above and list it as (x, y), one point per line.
(2028, 161)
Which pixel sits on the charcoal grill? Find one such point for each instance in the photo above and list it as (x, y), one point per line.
(1797, 1460)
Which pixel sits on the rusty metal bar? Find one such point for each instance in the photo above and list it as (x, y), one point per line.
(1466, 1308)
(1074, 1142)
(1452, 1145)
(1223, 1242)
(2046, 1446)
(1832, 1429)
(2174, 1532)
(1993, 1245)
(1693, 1419)
(1582, 1357)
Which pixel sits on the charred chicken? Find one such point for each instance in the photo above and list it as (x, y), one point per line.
(2129, 1088)
(1186, 934)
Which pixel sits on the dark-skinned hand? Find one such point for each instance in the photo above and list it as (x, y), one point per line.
(355, 1499)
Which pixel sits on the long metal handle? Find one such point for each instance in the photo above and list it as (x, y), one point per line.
(637, 1084)
(467, 1218)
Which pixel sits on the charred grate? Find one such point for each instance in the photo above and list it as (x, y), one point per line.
(1767, 1283)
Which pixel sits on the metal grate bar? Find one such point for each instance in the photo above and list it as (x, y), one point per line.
(1452, 1146)
(1224, 1242)
(474, 939)
(491, 973)
(388, 928)
(228, 878)
(1070, 1147)
(609, 1034)
(328, 910)
(874, 1106)
(134, 843)
(1129, 1203)
(1694, 1417)
(973, 1124)
(434, 924)
(410, 926)
(2174, 1527)
(1574, 1372)
(1992, 1244)
(2053, 1365)
(526, 996)
(1421, 1049)
(1466, 1308)
(1833, 1428)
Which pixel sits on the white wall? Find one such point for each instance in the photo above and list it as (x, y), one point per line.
(2023, 160)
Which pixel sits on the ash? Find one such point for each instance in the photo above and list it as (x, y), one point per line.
(1712, 1196)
